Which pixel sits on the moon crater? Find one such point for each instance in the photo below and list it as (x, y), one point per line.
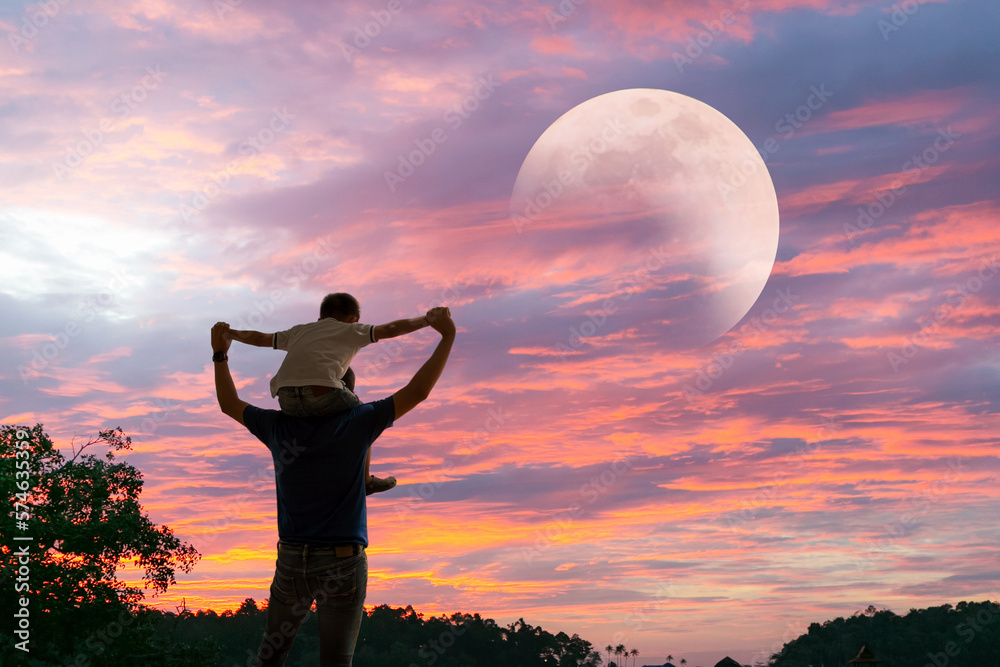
(643, 173)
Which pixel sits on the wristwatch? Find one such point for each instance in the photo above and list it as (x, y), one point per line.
(220, 356)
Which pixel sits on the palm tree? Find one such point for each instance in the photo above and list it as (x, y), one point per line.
(609, 648)
(635, 653)
(683, 662)
(670, 658)
(620, 650)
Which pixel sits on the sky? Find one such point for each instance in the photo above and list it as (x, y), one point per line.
(170, 165)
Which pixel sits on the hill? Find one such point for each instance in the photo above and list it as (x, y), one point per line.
(966, 635)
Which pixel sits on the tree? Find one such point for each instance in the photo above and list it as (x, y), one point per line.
(84, 522)
(620, 651)
(901, 641)
(609, 648)
(683, 662)
(634, 653)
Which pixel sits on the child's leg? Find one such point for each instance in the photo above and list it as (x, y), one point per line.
(290, 401)
(331, 403)
(376, 484)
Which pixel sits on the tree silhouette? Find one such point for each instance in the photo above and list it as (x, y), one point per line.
(620, 651)
(609, 648)
(84, 522)
(634, 653)
(918, 638)
(683, 662)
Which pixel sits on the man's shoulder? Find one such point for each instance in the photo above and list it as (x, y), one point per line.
(251, 409)
(377, 405)
(380, 414)
(260, 421)
(258, 414)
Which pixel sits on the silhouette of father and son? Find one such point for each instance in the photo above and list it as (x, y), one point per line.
(320, 441)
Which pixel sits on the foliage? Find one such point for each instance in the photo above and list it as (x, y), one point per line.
(395, 636)
(967, 635)
(85, 524)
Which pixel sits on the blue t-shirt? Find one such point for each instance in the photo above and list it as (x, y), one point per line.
(319, 468)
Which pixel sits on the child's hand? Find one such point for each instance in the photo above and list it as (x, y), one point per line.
(440, 319)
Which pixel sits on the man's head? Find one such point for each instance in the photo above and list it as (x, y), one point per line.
(340, 306)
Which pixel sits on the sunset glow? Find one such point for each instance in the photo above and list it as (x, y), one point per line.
(170, 165)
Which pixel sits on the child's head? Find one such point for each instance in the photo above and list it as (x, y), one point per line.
(340, 306)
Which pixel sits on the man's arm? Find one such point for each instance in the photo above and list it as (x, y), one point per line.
(399, 327)
(255, 338)
(225, 388)
(419, 388)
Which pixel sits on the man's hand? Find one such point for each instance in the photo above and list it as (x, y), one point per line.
(221, 338)
(225, 389)
(440, 319)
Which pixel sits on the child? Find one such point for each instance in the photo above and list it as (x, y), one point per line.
(311, 379)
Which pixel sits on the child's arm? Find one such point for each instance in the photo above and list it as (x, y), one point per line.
(255, 338)
(400, 327)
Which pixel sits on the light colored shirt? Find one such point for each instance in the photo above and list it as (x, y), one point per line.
(319, 353)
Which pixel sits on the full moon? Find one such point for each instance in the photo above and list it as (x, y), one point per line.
(657, 204)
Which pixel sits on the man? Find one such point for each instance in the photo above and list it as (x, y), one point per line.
(322, 520)
(312, 377)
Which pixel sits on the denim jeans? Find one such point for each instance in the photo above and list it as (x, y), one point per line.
(304, 573)
(300, 402)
